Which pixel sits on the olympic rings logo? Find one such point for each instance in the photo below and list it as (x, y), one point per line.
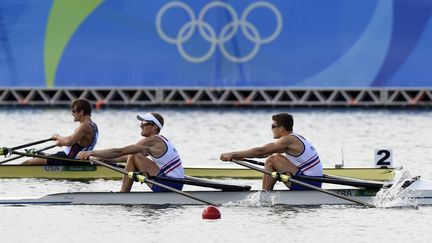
(227, 32)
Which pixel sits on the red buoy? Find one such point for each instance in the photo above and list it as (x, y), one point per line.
(211, 212)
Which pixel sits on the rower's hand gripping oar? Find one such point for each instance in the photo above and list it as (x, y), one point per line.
(5, 151)
(286, 178)
(141, 178)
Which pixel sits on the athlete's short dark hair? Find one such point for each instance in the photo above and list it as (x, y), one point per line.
(285, 120)
(82, 105)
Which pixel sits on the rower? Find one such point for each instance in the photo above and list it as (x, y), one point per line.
(154, 155)
(290, 154)
(84, 138)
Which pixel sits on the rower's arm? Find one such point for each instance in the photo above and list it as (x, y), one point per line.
(78, 134)
(118, 152)
(142, 147)
(120, 159)
(261, 152)
(257, 152)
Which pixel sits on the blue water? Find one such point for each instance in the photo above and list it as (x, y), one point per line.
(200, 136)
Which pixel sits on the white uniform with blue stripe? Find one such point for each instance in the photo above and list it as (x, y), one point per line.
(169, 163)
(308, 162)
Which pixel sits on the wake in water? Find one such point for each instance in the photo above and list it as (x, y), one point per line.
(258, 199)
(394, 193)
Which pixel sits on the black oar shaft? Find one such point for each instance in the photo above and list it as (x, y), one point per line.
(286, 178)
(142, 178)
(20, 156)
(49, 157)
(188, 180)
(332, 179)
(114, 164)
(31, 144)
(331, 193)
(345, 182)
(254, 162)
(5, 151)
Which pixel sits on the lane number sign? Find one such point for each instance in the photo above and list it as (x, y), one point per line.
(383, 158)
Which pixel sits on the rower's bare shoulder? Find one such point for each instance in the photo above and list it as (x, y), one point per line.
(149, 140)
(85, 127)
(288, 138)
(81, 130)
(142, 141)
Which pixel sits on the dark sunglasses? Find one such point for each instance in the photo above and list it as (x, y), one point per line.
(145, 124)
(274, 126)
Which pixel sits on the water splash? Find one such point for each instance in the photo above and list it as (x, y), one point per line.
(394, 194)
(258, 199)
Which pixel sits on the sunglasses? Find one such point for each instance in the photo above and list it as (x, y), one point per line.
(145, 124)
(273, 126)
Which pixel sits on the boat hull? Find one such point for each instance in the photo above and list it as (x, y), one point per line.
(87, 172)
(422, 191)
(168, 198)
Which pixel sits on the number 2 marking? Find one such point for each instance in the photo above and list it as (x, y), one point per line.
(382, 161)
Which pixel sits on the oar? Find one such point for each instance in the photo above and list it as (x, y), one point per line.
(20, 156)
(48, 157)
(5, 151)
(285, 178)
(188, 180)
(27, 154)
(332, 179)
(345, 182)
(141, 178)
(254, 162)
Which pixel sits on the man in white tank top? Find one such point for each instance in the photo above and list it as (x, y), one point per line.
(290, 154)
(154, 155)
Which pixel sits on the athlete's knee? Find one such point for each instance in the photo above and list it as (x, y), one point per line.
(135, 157)
(130, 162)
(270, 161)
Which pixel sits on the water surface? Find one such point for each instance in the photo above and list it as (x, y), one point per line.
(200, 136)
